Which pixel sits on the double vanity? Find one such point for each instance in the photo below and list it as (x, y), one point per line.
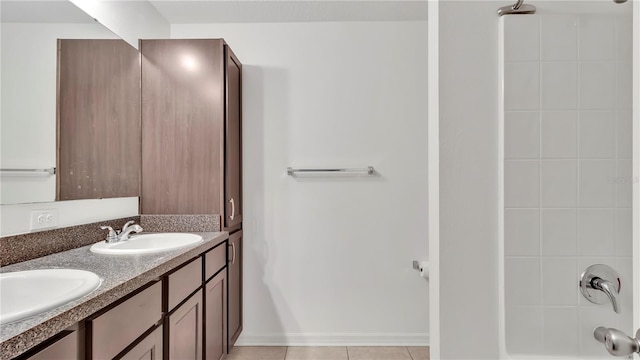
(137, 299)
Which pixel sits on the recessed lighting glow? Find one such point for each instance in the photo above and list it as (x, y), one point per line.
(189, 62)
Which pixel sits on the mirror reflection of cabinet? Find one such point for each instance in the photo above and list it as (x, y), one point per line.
(98, 132)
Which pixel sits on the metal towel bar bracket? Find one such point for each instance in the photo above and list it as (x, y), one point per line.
(369, 170)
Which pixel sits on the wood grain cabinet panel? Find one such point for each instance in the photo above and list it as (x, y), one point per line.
(192, 129)
(235, 287)
(112, 331)
(215, 260)
(182, 126)
(149, 348)
(98, 115)
(233, 141)
(184, 329)
(215, 317)
(183, 282)
(66, 348)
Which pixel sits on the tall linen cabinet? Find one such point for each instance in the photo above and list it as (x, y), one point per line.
(192, 142)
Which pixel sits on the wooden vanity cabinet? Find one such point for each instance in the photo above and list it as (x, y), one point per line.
(111, 331)
(234, 270)
(215, 297)
(191, 129)
(184, 322)
(192, 141)
(149, 348)
(184, 329)
(233, 142)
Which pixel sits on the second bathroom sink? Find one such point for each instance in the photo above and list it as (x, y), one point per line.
(146, 244)
(27, 293)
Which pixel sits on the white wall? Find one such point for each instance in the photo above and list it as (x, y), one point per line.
(468, 255)
(328, 260)
(15, 219)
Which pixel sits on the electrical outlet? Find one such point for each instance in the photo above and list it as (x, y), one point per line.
(44, 219)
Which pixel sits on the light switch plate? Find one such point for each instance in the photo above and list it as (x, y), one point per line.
(44, 219)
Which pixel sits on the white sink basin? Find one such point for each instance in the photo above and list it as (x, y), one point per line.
(26, 293)
(147, 244)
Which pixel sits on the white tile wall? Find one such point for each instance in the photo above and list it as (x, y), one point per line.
(522, 228)
(596, 232)
(558, 37)
(567, 177)
(559, 85)
(597, 135)
(522, 134)
(559, 330)
(597, 183)
(524, 44)
(558, 134)
(597, 85)
(558, 179)
(558, 233)
(596, 38)
(522, 86)
(522, 183)
(524, 339)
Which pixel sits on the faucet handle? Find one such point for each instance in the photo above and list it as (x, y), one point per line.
(126, 225)
(112, 235)
(600, 284)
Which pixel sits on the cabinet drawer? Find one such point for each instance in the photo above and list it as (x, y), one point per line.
(215, 260)
(183, 282)
(114, 330)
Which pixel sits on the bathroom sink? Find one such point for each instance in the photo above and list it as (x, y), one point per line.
(147, 244)
(27, 293)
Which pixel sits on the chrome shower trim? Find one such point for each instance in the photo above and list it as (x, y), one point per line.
(519, 8)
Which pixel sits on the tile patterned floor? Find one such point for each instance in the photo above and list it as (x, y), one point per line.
(329, 353)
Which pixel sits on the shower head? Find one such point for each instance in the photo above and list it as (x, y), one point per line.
(619, 1)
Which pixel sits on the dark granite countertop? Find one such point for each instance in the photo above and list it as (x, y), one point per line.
(120, 274)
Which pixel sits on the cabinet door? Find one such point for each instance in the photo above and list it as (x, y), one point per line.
(150, 348)
(233, 141)
(185, 330)
(235, 287)
(182, 118)
(215, 296)
(64, 349)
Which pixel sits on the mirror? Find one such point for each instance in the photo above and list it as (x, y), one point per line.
(30, 32)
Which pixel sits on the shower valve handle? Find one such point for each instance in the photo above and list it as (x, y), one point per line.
(616, 342)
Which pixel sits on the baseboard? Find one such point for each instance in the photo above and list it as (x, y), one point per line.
(314, 339)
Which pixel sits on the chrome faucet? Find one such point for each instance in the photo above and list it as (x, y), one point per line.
(600, 279)
(609, 289)
(128, 229)
(122, 235)
(616, 342)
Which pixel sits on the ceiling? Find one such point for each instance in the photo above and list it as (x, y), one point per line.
(246, 11)
(42, 12)
(237, 11)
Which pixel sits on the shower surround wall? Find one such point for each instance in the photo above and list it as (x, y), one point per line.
(567, 177)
